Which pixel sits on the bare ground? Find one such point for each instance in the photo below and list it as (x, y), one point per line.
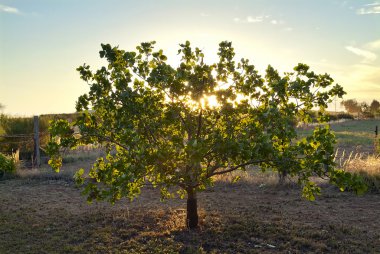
(48, 215)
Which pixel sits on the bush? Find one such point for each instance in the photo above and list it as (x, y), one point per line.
(333, 117)
(368, 115)
(7, 164)
(377, 146)
(345, 116)
(369, 169)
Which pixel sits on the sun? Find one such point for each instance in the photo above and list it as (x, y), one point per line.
(209, 102)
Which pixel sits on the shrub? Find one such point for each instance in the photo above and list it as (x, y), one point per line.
(369, 169)
(333, 117)
(368, 115)
(377, 145)
(7, 164)
(345, 116)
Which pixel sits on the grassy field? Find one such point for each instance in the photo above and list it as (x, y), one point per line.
(352, 135)
(43, 212)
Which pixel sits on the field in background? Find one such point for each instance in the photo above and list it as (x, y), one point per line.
(352, 135)
(43, 212)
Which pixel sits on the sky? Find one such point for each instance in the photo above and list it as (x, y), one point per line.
(42, 42)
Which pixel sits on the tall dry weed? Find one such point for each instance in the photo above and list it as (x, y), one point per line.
(368, 167)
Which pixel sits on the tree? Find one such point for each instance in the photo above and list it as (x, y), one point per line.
(2, 117)
(177, 127)
(366, 110)
(375, 106)
(352, 106)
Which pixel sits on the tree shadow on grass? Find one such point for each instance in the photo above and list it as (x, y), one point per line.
(238, 218)
(162, 231)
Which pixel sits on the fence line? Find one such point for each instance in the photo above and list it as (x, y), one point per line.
(33, 138)
(23, 135)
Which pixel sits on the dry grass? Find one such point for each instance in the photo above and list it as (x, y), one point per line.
(252, 175)
(40, 214)
(368, 168)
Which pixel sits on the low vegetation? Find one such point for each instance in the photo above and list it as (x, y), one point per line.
(362, 109)
(42, 212)
(7, 165)
(368, 168)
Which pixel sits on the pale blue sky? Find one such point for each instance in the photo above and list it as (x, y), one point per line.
(42, 42)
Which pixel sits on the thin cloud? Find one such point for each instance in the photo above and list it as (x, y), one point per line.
(251, 19)
(367, 75)
(373, 4)
(274, 22)
(374, 45)
(373, 8)
(257, 19)
(288, 29)
(9, 9)
(368, 56)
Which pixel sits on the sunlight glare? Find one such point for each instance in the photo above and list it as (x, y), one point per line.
(209, 102)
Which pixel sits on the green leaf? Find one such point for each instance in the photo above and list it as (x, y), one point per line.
(236, 178)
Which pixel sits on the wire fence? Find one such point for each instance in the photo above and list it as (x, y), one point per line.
(20, 139)
(24, 146)
(21, 147)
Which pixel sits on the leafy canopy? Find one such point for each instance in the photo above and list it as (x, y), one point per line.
(160, 124)
(375, 106)
(352, 106)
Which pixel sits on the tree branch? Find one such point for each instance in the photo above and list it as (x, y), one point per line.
(108, 139)
(199, 123)
(213, 173)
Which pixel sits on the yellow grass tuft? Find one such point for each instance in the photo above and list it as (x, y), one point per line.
(368, 168)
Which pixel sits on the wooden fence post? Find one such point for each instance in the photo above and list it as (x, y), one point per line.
(36, 155)
(16, 155)
(377, 142)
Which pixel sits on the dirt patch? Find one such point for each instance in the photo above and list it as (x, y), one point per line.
(50, 216)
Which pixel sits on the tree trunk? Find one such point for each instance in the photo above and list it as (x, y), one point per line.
(282, 177)
(192, 210)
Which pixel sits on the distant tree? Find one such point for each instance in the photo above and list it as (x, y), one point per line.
(375, 106)
(2, 117)
(352, 106)
(1, 126)
(178, 127)
(364, 107)
(366, 110)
